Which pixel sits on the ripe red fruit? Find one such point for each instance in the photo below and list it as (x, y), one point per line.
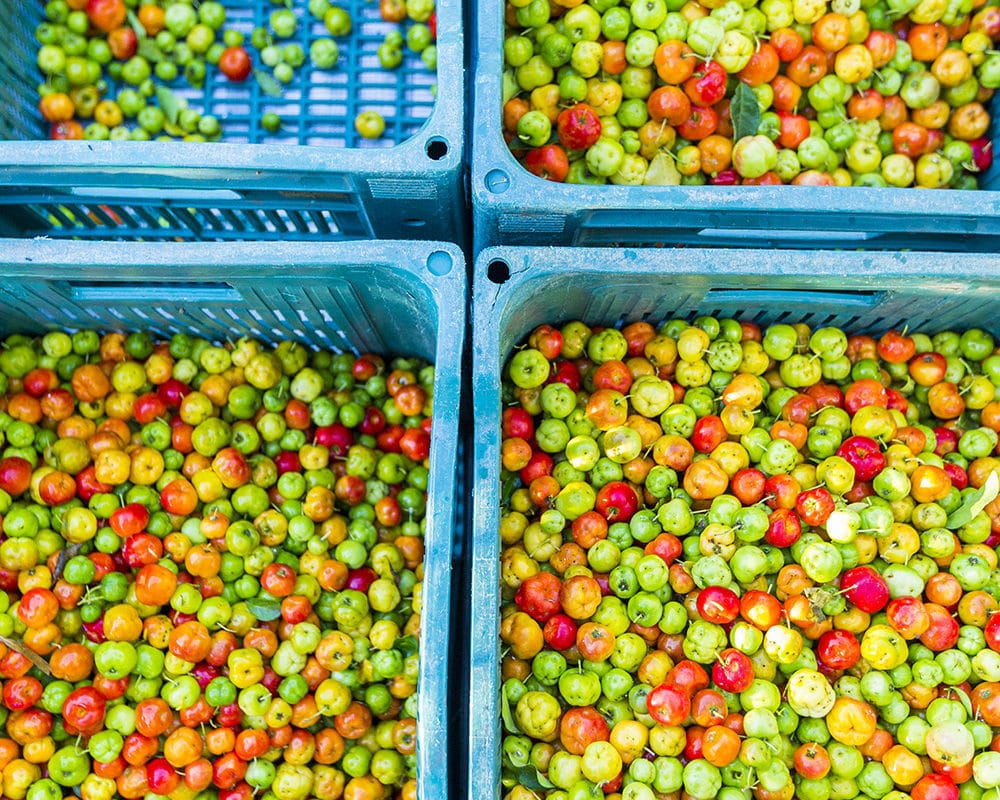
(106, 15)
(560, 632)
(235, 63)
(548, 162)
(815, 505)
(15, 475)
(538, 596)
(617, 501)
(865, 588)
(733, 672)
(935, 787)
(579, 127)
(171, 392)
(669, 704)
(718, 604)
(864, 455)
(784, 529)
(360, 579)
(287, 461)
(838, 649)
(83, 711)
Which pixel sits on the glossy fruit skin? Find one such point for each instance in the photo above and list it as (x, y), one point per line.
(733, 672)
(578, 127)
(864, 587)
(161, 617)
(668, 704)
(235, 64)
(838, 649)
(106, 15)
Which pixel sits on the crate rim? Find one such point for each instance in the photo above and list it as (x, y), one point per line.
(42, 258)
(23, 257)
(918, 264)
(489, 298)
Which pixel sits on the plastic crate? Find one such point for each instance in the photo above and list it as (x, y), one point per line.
(315, 179)
(390, 297)
(517, 289)
(513, 207)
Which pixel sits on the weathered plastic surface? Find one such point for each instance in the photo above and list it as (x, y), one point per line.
(396, 298)
(316, 179)
(516, 289)
(513, 207)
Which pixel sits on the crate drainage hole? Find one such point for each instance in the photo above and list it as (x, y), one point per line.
(437, 149)
(413, 222)
(440, 263)
(498, 272)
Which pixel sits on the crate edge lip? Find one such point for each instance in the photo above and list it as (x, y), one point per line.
(683, 260)
(31, 254)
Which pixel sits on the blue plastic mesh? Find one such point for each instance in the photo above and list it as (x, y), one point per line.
(268, 219)
(317, 108)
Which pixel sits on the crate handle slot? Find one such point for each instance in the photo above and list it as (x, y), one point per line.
(786, 298)
(788, 235)
(158, 293)
(155, 195)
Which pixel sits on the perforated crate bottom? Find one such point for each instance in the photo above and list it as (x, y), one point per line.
(317, 108)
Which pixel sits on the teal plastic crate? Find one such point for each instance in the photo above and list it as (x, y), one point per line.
(517, 288)
(513, 207)
(315, 179)
(401, 298)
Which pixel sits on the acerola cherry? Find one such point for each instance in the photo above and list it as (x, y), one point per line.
(733, 672)
(617, 502)
(538, 596)
(865, 588)
(718, 604)
(838, 649)
(560, 632)
(784, 528)
(864, 455)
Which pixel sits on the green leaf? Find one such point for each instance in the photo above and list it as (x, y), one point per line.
(19, 647)
(745, 112)
(65, 555)
(531, 778)
(169, 104)
(264, 608)
(149, 50)
(505, 712)
(974, 503)
(138, 27)
(510, 87)
(407, 645)
(963, 698)
(508, 486)
(662, 171)
(546, 783)
(268, 83)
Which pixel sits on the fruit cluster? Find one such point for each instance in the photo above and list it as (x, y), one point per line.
(741, 562)
(210, 569)
(110, 63)
(666, 92)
